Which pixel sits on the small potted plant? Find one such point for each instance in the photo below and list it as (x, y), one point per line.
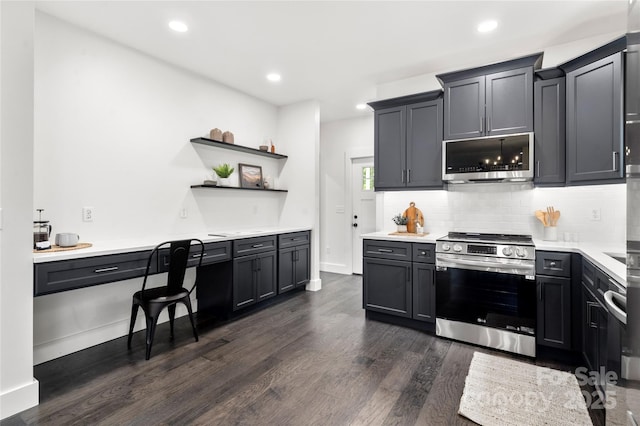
(223, 171)
(401, 222)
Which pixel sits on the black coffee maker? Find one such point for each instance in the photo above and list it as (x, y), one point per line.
(41, 232)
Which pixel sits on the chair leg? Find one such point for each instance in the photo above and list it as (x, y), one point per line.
(134, 314)
(172, 315)
(187, 302)
(152, 320)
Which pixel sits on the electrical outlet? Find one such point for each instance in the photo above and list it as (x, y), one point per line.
(87, 214)
(595, 214)
(183, 213)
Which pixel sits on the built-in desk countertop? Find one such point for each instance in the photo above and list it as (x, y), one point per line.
(103, 248)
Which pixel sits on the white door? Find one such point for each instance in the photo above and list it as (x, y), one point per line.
(363, 206)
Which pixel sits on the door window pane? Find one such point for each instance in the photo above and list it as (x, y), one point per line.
(367, 179)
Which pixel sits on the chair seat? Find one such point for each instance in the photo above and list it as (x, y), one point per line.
(159, 295)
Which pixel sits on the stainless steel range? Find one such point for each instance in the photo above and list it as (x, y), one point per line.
(486, 290)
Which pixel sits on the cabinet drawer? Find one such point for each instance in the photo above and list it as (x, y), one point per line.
(424, 253)
(589, 274)
(53, 277)
(213, 252)
(387, 249)
(293, 239)
(553, 264)
(254, 245)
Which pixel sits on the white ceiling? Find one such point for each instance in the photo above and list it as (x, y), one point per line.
(337, 52)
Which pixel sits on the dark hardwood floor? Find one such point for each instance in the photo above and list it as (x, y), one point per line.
(311, 359)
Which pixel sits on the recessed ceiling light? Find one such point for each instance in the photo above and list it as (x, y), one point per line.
(487, 26)
(361, 106)
(178, 26)
(274, 77)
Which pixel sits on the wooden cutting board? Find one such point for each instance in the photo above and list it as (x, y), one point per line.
(55, 248)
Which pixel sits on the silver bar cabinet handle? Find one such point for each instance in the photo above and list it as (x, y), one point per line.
(538, 168)
(109, 269)
(615, 163)
(408, 175)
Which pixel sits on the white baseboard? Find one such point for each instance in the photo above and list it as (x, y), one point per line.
(314, 285)
(65, 345)
(19, 399)
(336, 268)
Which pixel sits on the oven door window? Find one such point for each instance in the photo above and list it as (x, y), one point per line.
(490, 299)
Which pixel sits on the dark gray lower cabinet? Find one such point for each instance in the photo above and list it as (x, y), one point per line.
(387, 286)
(554, 308)
(554, 312)
(64, 275)
(293, 267)
(254, 279)
(424, 292)
(294, 260)
(404, 288)
(594, 333)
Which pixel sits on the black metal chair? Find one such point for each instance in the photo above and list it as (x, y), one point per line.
(154, 300)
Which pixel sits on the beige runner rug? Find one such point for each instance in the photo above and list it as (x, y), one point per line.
(500, 391)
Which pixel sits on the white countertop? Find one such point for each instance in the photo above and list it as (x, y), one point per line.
(594, 252)
(410, 238)
(102, 248)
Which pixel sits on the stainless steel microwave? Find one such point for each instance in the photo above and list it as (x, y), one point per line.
(505, 158)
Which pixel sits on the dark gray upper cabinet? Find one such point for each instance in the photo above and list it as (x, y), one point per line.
(595, 145)
(408, 142)
(509, 102)
(491, 100)
(464, 103)
(390, 148)
(549, 131)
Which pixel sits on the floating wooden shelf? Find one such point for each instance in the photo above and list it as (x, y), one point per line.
(237, 187)
(240, 148)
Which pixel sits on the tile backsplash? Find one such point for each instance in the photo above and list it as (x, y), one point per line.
(509, 208)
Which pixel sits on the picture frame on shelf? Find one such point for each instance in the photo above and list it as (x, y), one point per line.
(250, 176)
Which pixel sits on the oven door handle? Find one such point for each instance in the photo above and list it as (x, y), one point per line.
(614, 309)
(481, 264)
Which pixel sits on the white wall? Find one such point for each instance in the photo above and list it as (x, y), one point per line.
(112, 132)
(18, 388)
(339, 141)
(298, 135)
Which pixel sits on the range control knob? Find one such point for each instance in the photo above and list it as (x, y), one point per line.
(446, 246)
(507, 251)
(521, 252)
(457, 248)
